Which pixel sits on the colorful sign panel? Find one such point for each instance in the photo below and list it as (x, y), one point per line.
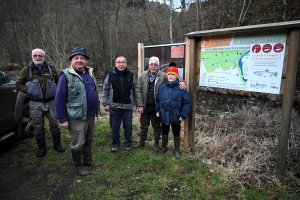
(243, 62)
(177, 51)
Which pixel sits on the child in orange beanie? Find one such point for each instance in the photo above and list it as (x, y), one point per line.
(173, 105)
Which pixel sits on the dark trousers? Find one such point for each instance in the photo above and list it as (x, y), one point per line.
(175, 129)
(116, 117)
(145, 122)
(38, 110)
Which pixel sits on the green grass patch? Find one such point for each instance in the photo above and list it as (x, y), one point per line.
(136, 174)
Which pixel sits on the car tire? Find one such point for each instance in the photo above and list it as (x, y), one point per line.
(25, 119)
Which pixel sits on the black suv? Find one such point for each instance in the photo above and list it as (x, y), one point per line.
(14, 114)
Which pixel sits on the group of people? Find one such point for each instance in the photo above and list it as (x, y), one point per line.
(70, 100)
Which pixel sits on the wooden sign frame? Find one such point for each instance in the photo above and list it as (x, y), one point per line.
(291, 62)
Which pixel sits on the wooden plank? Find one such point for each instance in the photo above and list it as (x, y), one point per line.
(284, 68)
(190, 78)
(140, 70)
(193, 86)
(140, 58)
(188, 51)
(285, 61)
(282, 85)
(247, 29)
(289, 91)
(198, 56)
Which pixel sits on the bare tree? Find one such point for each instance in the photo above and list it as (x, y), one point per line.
(110, 28)
(243, 11)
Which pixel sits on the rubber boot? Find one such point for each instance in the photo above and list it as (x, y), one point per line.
(143, 137)
(177, 147)
(78, 167)
(164, 144)
(42, 147)
(57, 144)
(156, 147)
(87, 155)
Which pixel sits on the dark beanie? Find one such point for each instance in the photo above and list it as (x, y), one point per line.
(172, 64)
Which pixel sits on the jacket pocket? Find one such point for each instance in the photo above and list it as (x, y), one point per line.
(175, 116)
(75, 110)
(34, 89)
(50, 89)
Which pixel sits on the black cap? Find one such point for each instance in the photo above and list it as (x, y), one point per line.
(172, 64)
(78, 51)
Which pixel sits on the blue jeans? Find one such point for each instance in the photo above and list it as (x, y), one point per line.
(116, 116)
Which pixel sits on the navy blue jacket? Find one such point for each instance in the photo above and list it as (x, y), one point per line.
(172, 103)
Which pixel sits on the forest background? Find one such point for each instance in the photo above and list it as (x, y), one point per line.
(108, 29)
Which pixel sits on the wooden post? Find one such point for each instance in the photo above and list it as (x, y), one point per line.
(140, 70)
(288, 99)
(190, 78)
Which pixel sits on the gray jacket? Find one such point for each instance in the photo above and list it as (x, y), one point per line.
(142, 86)
(108, 92)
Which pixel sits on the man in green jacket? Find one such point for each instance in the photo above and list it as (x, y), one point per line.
(77, 104)
(39, 81)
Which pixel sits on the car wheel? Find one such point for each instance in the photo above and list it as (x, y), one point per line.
(25, 120)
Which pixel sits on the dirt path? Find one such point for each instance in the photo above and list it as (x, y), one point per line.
(16, 182)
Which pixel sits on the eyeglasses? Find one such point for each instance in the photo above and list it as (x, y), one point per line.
(153, 64)
(123, 62)
(38, 56)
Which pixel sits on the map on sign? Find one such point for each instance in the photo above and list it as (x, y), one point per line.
(243, 62)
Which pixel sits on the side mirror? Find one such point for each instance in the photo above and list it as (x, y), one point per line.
(2, 78)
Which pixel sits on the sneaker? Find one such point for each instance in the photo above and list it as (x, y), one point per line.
(128, 148)
(114, 149)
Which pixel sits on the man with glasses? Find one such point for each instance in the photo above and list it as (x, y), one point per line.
(39, 81)
(146, 92)
(119, 100)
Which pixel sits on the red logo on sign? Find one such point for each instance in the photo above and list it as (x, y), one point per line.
(267, 48)
(278, 47)
(256, 48)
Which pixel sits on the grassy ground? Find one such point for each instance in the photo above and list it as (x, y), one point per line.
(135, 174)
